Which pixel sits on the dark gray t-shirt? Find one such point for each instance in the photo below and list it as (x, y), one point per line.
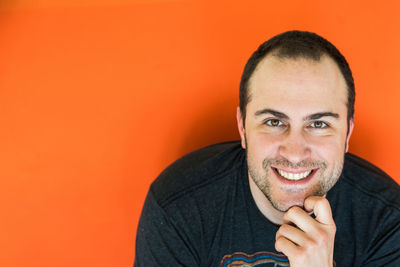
(200, 212)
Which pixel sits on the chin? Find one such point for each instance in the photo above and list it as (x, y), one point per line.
(284, 205)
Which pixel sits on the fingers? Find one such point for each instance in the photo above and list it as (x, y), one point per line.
(321, 208)
(304, 221)
(300, 218)
(282, 244)
(292, 233)
(309, 242)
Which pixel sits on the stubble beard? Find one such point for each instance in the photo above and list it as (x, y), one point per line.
(262, 179)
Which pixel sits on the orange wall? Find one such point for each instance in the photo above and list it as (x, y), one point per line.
(97, 97)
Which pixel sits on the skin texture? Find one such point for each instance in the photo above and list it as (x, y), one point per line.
(296, 121)
(307, 241)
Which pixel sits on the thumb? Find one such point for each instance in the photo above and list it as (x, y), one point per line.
(321, 208)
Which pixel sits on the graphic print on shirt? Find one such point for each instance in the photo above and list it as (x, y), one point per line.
(259, 259)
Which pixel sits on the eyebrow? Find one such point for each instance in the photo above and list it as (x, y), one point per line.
(272, 112)
(319, 115)
(281, 115)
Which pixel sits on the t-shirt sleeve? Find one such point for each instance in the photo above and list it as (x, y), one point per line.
(385, 248)
(159, 241)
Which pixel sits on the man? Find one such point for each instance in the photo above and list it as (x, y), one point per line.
(287, 194)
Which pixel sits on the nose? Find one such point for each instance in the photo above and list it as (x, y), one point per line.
(294, 146)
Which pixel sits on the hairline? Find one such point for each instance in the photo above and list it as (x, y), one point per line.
(276, 54)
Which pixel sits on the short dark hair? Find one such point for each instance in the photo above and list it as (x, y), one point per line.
(296, 44)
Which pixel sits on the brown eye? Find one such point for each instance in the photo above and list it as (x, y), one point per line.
(318, 124)
(274, 123)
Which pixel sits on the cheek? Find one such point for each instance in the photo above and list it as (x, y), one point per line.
(261, 146)
(328, 148)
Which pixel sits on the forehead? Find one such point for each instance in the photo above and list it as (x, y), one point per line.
(298, 85)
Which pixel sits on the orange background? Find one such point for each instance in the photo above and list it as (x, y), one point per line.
(97, 97)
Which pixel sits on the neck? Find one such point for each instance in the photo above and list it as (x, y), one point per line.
(264, 205)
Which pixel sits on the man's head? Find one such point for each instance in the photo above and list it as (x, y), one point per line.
(295, 117)
(296, 44)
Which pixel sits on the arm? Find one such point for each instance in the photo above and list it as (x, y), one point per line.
(159, 241)
(384, 249)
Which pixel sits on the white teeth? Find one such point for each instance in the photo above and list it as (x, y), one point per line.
(293, 176)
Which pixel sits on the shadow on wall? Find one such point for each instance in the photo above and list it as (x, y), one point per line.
(9, 5)
(215, 123)
(361, 141)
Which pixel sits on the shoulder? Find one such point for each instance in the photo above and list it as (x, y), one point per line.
(371, 181)
(197, 169)
(366, 209)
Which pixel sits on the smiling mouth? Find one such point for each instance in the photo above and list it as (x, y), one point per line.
(293, 176)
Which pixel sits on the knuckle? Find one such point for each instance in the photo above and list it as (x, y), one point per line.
(322, 202)
(296, 209)
(309, 248)
(283, 229)
(301, 255)
(291, 212)
(333, 228)
(319, 236)
(278, 235)
(279, 240)
(278, 243)
(312, 245)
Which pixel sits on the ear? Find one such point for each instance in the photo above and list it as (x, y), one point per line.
(351, 127)
(240, 124)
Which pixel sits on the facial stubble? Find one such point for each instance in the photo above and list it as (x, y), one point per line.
(262, 179)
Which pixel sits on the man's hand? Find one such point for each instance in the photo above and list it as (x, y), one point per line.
(307, 241)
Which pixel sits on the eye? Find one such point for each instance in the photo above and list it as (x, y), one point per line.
(274, 123)
(318, 124)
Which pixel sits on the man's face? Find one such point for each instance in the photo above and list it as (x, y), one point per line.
(295, 128)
